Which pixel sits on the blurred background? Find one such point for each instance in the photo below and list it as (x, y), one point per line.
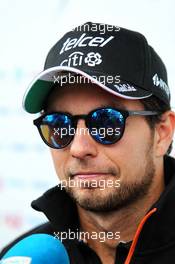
(28, 29)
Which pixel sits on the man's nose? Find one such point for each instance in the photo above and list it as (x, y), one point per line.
(83, 144)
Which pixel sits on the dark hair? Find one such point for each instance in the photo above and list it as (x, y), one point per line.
(155, 104)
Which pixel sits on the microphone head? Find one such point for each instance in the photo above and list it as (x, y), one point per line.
(37, 249)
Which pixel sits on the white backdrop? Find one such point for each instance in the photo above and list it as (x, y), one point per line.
(28, 30)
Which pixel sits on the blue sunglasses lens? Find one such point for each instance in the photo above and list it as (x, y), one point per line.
(106, 125)
(54, 128)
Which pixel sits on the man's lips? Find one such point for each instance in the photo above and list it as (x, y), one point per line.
(89, 175)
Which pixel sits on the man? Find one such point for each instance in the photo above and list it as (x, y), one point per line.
(106, 116)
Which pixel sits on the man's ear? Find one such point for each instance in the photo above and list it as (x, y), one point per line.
(164, 131)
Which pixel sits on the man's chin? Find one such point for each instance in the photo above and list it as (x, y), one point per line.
(95, 199)
(111, 199)
(89, 193)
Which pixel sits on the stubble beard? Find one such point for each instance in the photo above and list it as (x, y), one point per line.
(117, 198)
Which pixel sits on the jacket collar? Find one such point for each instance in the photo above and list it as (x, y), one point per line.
(59, 208)
(158, 231)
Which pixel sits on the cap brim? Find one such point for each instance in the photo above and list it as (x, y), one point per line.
(40, 87)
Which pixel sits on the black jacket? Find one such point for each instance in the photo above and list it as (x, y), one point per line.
(154, 242)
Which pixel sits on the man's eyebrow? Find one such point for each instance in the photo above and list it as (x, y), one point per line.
(117, 105)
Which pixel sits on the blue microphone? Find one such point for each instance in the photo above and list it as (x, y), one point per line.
(37, 249)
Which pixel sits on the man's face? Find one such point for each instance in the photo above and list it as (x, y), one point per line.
(130, 160)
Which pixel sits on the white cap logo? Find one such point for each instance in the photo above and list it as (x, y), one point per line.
(161, 84)
(93, 59)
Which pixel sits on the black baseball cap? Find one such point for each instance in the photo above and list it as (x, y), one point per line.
(119, 60)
